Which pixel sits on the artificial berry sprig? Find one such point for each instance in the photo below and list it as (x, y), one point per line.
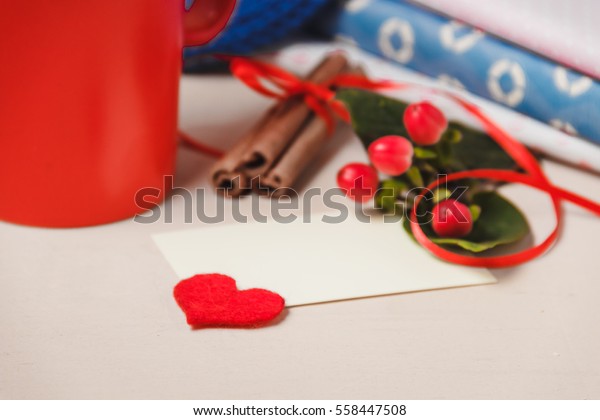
(425, 123)
(463, 214)
(358, 181)
(451, 219)
(391, 155)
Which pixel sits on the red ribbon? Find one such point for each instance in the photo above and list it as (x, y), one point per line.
(200, 147)
(321, 99)
(283, 85)
(534, 177)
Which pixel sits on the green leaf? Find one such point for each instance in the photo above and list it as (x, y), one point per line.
(414, 175)
(421, 153)
(375, 115)
(452, 136)
(499, 223)
(388, 194)
(477, 150)
(441, 194)
(475, 212)
(396, 185)
(444, 151)
(385, 201)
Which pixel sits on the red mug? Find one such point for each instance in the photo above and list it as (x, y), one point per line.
(88, 103)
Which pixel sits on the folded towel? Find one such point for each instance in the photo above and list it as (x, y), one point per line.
(564, 31)
(469, 58)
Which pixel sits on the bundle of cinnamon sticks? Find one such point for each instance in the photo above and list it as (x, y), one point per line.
(272, 155)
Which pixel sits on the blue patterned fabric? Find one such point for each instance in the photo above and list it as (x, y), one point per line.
(466, 57)
(259, 23)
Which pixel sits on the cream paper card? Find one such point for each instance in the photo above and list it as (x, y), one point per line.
(315, 262)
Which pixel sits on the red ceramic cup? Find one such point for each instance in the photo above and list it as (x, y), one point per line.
(88, 103)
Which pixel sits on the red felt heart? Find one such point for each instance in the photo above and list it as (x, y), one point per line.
(214, 300)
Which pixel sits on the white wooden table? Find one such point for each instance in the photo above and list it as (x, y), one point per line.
(88, 313)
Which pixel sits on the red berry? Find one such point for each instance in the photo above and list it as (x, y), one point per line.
(425, 123)
(358, 181)
(452, 219)
(391, 155)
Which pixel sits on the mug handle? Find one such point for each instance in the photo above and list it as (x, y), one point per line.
(205, 19)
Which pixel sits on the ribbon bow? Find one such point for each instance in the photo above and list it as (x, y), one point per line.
(274, 82)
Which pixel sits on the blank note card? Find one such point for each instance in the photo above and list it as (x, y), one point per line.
(314, 262)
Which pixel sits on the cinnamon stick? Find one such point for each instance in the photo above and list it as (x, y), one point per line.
(280, 130)
(280, 179)
(280, 145)
(225, 174)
